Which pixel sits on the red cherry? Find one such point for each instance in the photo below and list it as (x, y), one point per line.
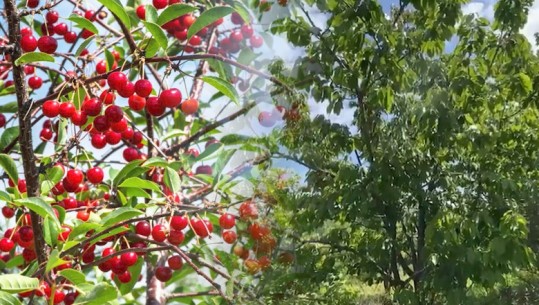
(204, 170)
(90, 15)
(6, 244)
(130, 154)
(51, 108)
(136, 102)
(35, 82)
(266, 119)
(28, 43)
(187, 20)
(95, 175)
(92, 107)
(67, 109)
(178, 222)
(195, 40)
(116, 80)
(248, 210)
(129, 258)
(8, 212)
(236, 18)
(45, 134)
(59, 296)
(26, 233)
(229, 237)
(107, 97)
(143, 87)
(170, 98)
(127, 90)
(60, 29)
(163, 273)
(52, 16)
(227, 221)
(21, 185)
(181, 35)
(128, 133)
(247, 30)
(159, 233)
(119, 126)
(141, 12)
(154, 107)
(202, 228)
(29, 69)
(175, 262)
(189, 106)
(79, 118)
(101, 67)
(70, 37)
(75, 176)
(143, 228)
(236, 36)
(159, 4)
(47, 44)
(99, 140)
(124, 277)
(175, 237)
(83, 215)
(113, 137)
(256, 41)
(101, 123)
(114, 113)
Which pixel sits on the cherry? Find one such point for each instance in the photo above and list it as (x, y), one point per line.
(107, 97)
(79, 118)
(175, 262)
(170, 98)
(258, 231)
(159, 4)
(99, 140)
(130, 154)
(90, 15)
(181, 35)
(21, 185)
(70, 37)
(101, 123)
(95, 175)
(52, 16)
(45, 134)
(204, 170)
(32, 3)
(70, 298)
(227, 221)
(247, 30)
(70, 203)
(143, 228)
(248, 210)
(229, 237)
(124, 277)
(2, 120)
(175, 237)
(47, 44)
(28, 43)
(114, 113)
(143, 88)
(67, 109)
(136, 102)
(29, 69)
(154, 107)
(195, 40)
(241, 252)
(101, 67)
(113, 137)
(163, 273)
(189, 106)
(119, 126)
(266, 119)
(236, 36)
(137, 137)
(252, 265)
(35, 82)
(83, 215)
(178, 222)
(59, 296)
(159, 233)
(8, 212)
(202, 228)
(117, 266)
(92, 107)
(75, 176)
(187, 20)
(6, 244)
(236, 18)
(129, 258)
(141, 12)
(60, 28)
(51, 108)
(116, 80)
(256, 41)
(126, 90)
(26, 233)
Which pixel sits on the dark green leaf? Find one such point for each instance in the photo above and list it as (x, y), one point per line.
(223, 86)
(117, 9)
(172, 12)
(9, 166)
(208, 17)
(33, 57)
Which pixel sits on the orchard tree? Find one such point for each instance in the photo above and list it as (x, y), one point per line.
(428, 193)
(121, 163)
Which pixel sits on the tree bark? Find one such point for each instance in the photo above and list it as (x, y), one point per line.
(31, 173)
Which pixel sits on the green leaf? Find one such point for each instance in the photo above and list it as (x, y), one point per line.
(8, 136)
(14, 283)
(209, 151)
(50, 179)
(54, 260)
(38, 205)
(242, 10)
(140, 183)
(208, 17)
(222, 161)
(99, 295)
(152, 48)
(135, 272)
(151, 13)
(8, 299)
(9, 166)
(119, 215)
(157, 34)
(74, 276)
(172, 12)
(172, 180)
(129, 170)
(83, 23)
(33, 57)
(10, 107)
(50, 232)
(155, 162)
(84, 44)
(525, 82)
(117, 9)
(15, 262)
(223, 86)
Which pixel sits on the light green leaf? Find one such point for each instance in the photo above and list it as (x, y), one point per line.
(223, 86)
(14, 283)
(151, 13)
(33, 57)
(129, 170)
(172, 180)
(9, 166)
(140, 183)
(172, 12)
(157, 34)
(40, 206)
(209, 151)
(74, 276)
(54, 260)
(525, 82)
(117, 9)
(119, 215)
(83, 23)
(208, 17)
(84, 44)
(8, 299)
(99, 295)
(242, 10)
